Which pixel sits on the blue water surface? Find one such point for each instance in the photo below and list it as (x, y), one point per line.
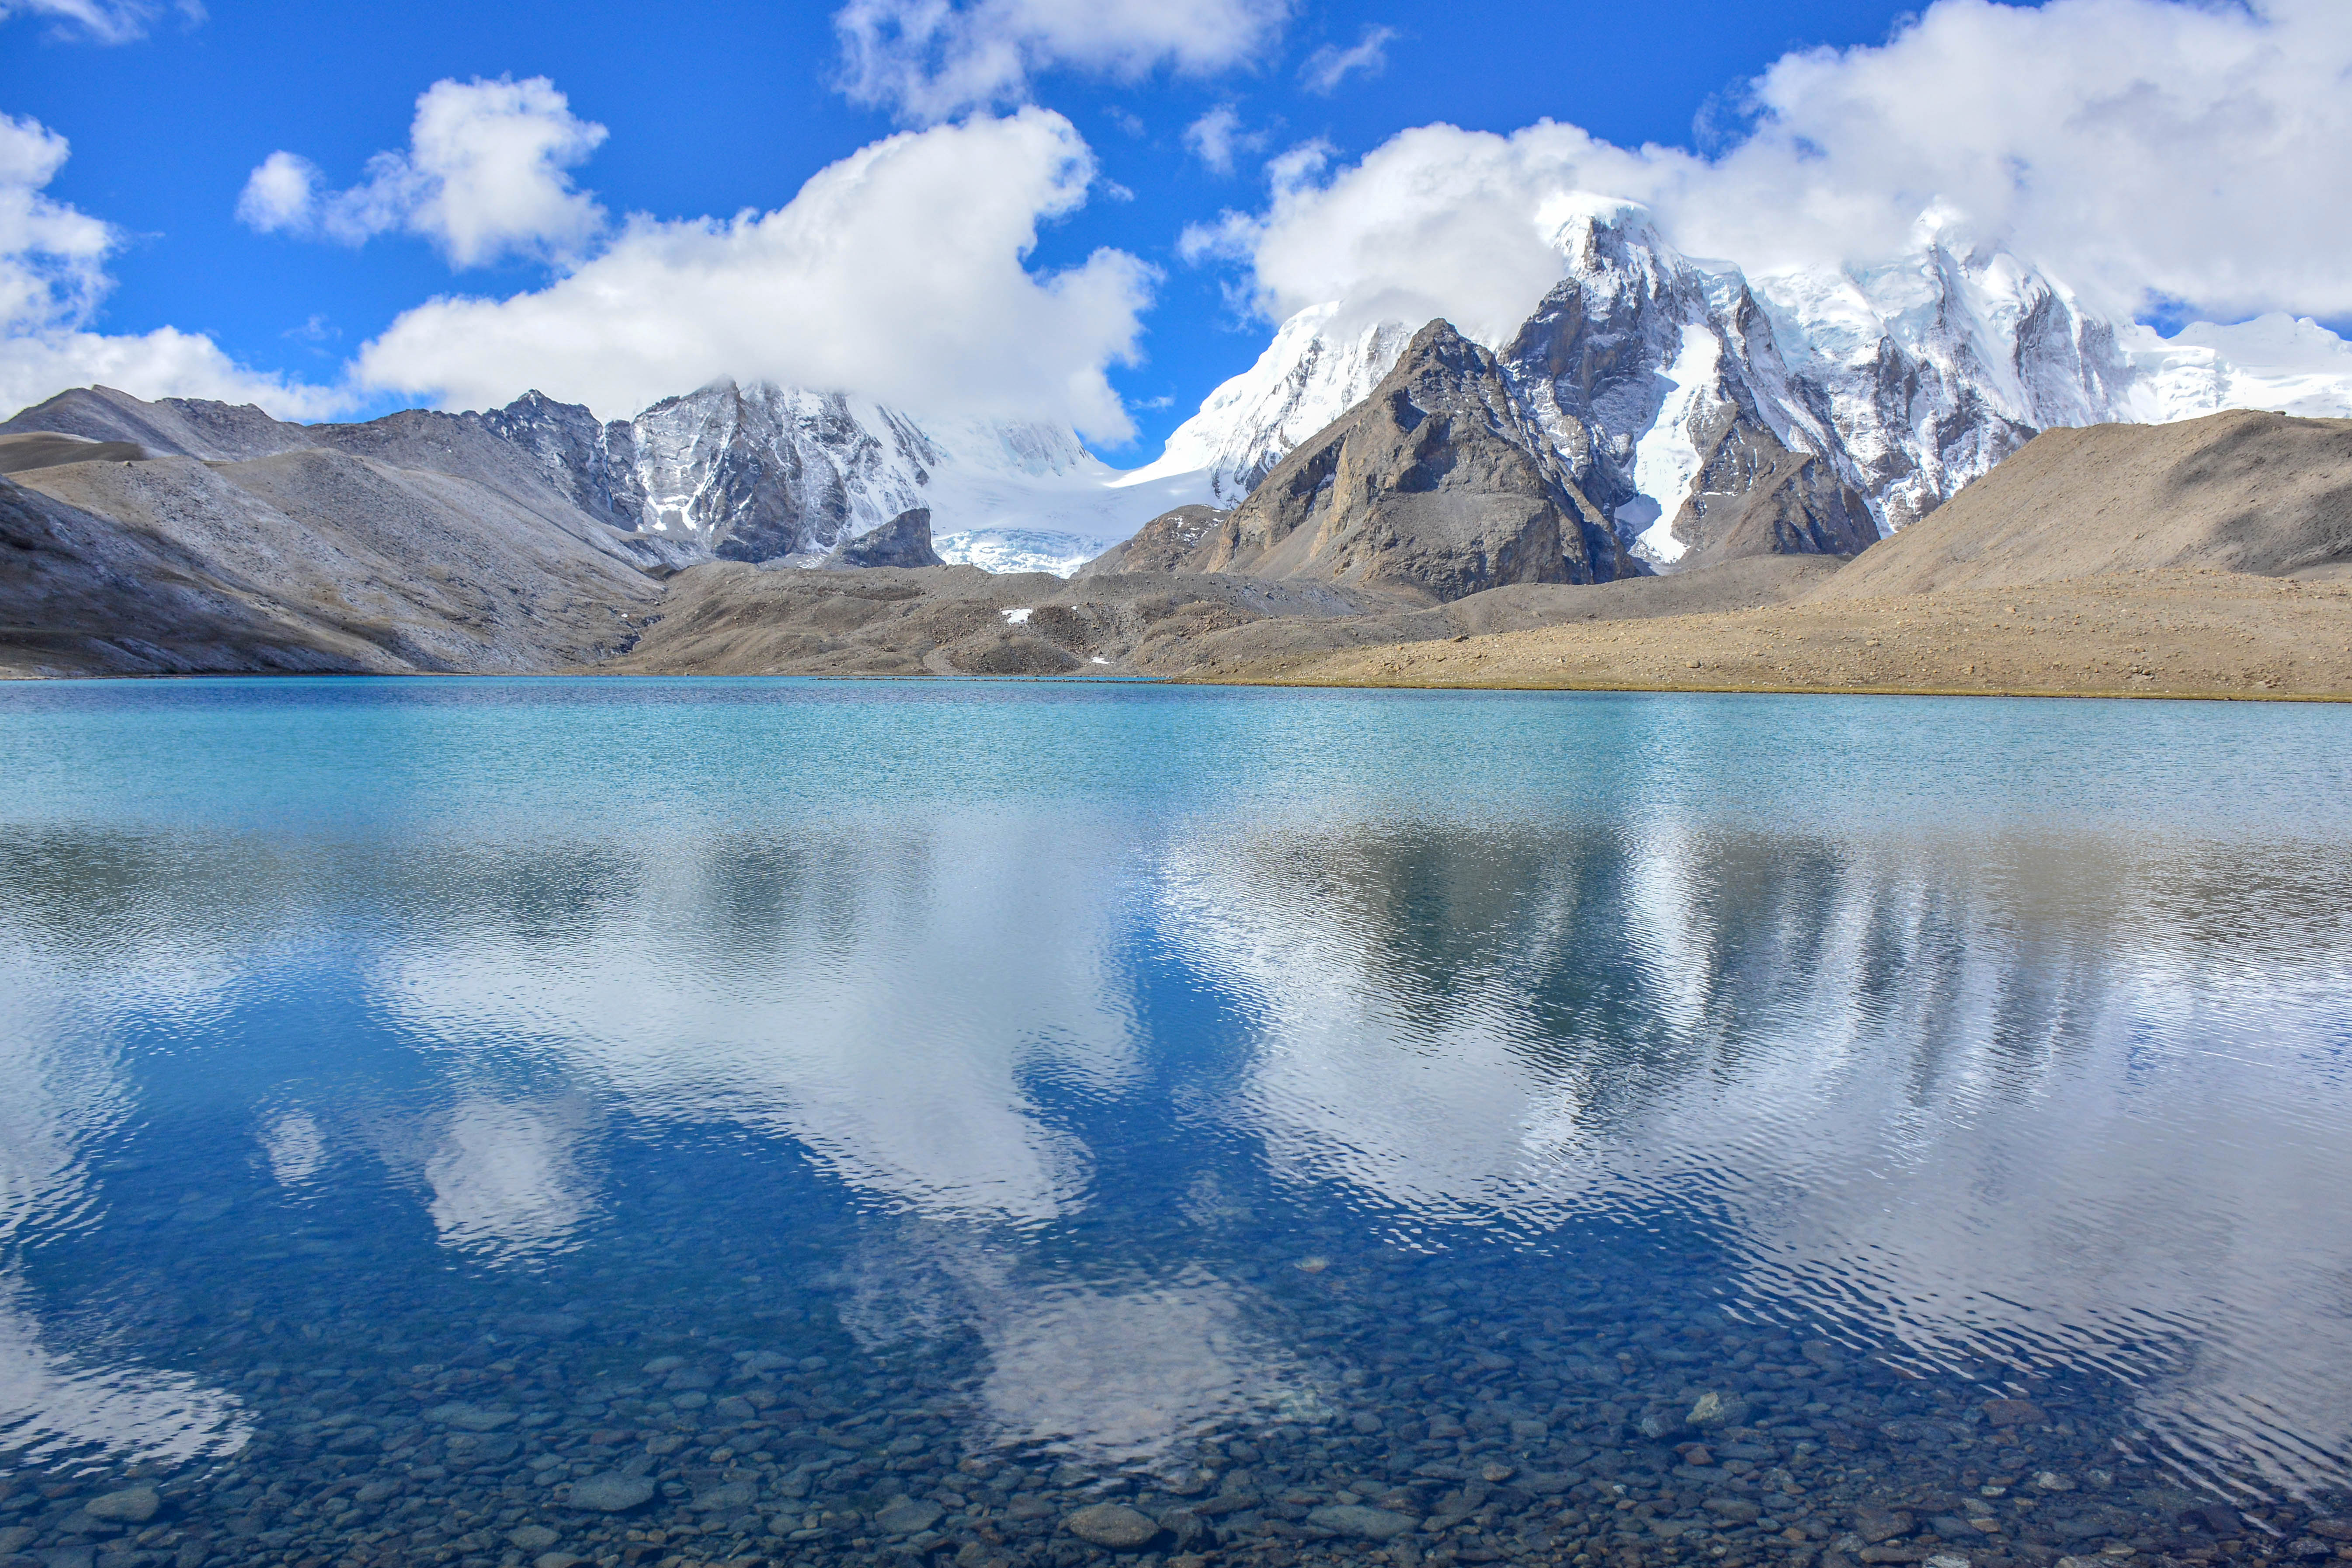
(1588, 1127)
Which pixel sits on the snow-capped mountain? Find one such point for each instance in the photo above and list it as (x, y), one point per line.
(763, 472)
(1665, 383)
(1675, 392)
(1313, 372)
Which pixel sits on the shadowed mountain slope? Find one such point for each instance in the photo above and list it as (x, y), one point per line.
(2242, 492)
(350, 561)
(1432, 485)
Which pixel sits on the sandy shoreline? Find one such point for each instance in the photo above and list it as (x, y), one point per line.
(2179, 635)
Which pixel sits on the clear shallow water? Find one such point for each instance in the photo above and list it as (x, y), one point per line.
(1007, 1097)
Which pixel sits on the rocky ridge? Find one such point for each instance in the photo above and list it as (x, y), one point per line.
(1433, 485)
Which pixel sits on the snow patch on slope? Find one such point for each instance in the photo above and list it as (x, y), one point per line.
(1666, 460)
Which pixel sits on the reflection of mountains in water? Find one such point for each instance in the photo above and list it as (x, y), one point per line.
(2039, 1102)
(2034, 1102)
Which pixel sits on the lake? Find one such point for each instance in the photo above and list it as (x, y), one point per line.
(506, 1121)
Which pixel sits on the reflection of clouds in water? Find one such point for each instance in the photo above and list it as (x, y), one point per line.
(50, 1398)
(1429, 1108)
(885, 1003)
(294, 1147)
(505, 1177)
(1111, 1370)
(1119, 1373)
(57, 1096)
(2037, 1105)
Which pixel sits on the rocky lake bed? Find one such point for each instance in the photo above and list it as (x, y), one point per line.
(1454, 1416)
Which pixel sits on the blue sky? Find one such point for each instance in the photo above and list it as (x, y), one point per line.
(715, 108)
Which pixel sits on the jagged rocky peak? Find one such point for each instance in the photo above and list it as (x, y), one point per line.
(1932, 366)
(1434, 484)
(904, 540)
(592, 462)
(1673, 389)
(1659, 384)
(765, 471)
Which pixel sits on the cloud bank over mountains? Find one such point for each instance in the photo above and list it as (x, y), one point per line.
(2153, 155)
(897, 272)
(2145, 151)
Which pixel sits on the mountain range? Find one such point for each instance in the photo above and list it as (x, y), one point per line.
(1690, 405)
(1654, 416)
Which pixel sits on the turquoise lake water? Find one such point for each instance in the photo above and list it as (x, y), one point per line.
(873, 1121)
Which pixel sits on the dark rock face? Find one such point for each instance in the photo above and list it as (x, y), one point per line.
(759, 472)
(1434, 484)
(592, 462)
(904, 540)
(1756, 497)
(1586, 365)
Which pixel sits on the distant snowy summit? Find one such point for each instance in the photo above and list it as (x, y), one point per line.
(767, 473)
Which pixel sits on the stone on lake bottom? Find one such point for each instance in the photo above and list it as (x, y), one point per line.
(531, 1537)
(557, 1560)
(612, 1492)
(2014, 1413)
(471, 1418)
(1112, 1525)
(132, 1505)
(1874, 1525)
(906, 1516)
(1365, 1523)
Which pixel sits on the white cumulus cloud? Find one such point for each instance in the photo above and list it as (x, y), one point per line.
(929, 59)
(2138, 148)
(485, 175)
(1330, 66)
(899, 272)
(53, 278)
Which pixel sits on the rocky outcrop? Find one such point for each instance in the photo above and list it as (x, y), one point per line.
(1753, 496)
(1164, 544)
(1433, 485)
(904, 540)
